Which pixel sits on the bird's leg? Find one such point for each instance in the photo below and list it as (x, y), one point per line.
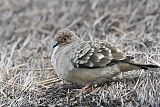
(98, 81)
(86, 88)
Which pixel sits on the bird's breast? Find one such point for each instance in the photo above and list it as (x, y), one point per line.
(60, 61)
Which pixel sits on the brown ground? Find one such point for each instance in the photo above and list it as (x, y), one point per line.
(27, 28)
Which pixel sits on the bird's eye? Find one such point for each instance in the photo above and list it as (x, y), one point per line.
(64, 39)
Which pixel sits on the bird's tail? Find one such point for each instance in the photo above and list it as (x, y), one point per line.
(127, 66)
(144, 66)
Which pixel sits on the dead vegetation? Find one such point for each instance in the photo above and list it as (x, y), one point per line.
(27, 28)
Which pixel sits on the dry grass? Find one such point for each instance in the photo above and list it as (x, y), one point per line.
(27, 28)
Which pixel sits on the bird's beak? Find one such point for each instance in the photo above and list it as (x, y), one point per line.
(55, 44)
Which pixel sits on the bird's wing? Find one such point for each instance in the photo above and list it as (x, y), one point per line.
(96, 54)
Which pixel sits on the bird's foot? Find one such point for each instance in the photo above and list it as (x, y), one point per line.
(86, 89)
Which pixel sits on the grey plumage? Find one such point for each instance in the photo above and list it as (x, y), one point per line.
(82, 62)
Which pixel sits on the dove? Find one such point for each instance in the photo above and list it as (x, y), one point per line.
(89, 62)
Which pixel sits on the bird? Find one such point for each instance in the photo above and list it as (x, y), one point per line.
(89, 62)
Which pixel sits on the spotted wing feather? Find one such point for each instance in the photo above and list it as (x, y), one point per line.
(96, 54)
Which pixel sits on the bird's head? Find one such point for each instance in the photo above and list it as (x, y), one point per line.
(64, 37)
